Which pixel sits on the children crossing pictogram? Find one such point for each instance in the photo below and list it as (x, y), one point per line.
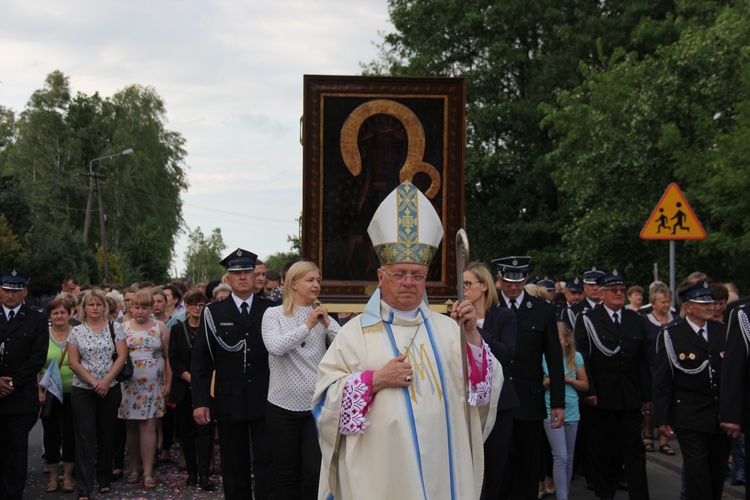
(673, 219)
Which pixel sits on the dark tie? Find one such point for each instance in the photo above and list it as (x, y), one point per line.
(513, 304)
(245, 314)
(702, 333)
(616, 318)
(11, 315)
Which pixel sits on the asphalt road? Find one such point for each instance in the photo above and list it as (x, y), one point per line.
(663, 479)
(170, 481)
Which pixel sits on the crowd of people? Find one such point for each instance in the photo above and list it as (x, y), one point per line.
(636, 374)
(523, 382)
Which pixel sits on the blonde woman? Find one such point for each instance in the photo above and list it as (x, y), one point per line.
(296, 334)
(498, 329)
(144, 395)
(95, 394)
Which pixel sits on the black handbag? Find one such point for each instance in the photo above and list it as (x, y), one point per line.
(127, 371)
(47, 406)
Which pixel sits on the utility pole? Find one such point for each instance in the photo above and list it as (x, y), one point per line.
(102, 230)
(87, 222)
(95, 184)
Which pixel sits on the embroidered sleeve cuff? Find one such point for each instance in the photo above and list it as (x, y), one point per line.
(356, 403)
(480, 375)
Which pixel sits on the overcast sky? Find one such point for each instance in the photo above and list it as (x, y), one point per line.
(230, 72)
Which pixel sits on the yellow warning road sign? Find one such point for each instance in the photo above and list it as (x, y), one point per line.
(673, 219)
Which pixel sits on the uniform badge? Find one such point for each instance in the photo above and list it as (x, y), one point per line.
(691, 356)
(515, 262)
(682, 356)
(239, 253)
(14, 273)
(528, 305)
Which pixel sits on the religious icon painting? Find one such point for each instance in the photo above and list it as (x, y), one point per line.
(362, 137)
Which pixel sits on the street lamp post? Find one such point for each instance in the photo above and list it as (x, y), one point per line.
(94, 184)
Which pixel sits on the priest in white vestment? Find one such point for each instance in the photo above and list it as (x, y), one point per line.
(389, 404)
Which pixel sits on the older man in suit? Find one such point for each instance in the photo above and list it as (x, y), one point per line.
(687, 376)
(537, 335)
(229, 342)
(612, 340)
(24, 340)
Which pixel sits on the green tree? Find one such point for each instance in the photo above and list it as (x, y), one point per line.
(50, 148)
(14, 204)
(678, 115)
(10, 247)
(515, 56)
(203, 256)
(7, 126)
(278, 260)
(55, 252)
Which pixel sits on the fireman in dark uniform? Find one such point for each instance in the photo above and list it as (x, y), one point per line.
(24, 339)
(612, 340)
(687, 376)
(229, 343)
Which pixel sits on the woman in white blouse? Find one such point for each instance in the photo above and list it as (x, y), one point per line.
(95, 395)
(296, 335)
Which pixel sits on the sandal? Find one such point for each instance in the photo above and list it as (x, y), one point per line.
(53, 485)
(667, 450)
(648, 443)
(68, 486)
(134, 477)
(149, 483)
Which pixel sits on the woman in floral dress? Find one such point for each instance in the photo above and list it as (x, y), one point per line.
(144, 395)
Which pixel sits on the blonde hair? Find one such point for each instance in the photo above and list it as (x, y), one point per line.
(142, 298)
(542, 292)
(88, 296)
(569, 352)
(484, 276)
(295, 272)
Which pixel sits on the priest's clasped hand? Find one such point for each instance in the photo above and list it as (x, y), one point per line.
(395, 373)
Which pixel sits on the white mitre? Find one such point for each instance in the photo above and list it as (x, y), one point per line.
(406, 228)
